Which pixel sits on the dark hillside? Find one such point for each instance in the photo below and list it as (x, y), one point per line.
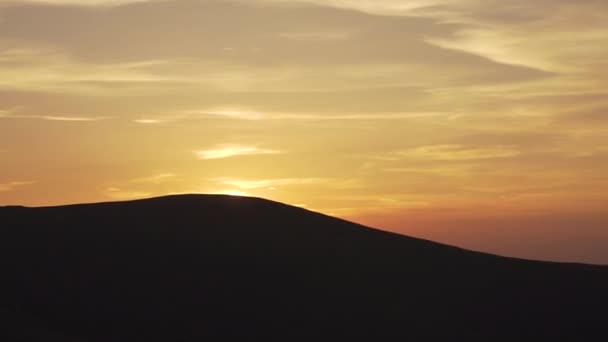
(186, 268)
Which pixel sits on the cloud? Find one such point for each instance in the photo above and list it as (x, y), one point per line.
(10, 186)
(103, 3)
(551, 35)
(69, 118)
(459, 153)
(317, 35)
(432, 171)
(145, 121)
(584, 117)
(219, 113)
(229, 113)
(5, 113)
(41, 69)
(14, 114)
(253, 115)
(384, 7)
(228, 151)
(312, 48)
(359, 116)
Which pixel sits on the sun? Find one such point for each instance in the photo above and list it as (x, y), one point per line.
(232, 193)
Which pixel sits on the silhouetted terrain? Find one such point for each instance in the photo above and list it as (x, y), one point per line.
(187, 268)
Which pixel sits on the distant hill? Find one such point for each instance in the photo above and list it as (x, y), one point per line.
(211, 267)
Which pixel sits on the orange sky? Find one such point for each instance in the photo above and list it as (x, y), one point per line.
(477, 123)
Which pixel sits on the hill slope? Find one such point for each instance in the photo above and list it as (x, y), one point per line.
(186, 268)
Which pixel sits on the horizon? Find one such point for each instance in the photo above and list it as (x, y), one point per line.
(482, 125)
(169, 196)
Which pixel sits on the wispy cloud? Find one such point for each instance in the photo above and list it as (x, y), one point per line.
(146, 121)
(14, 114)
(256, 115)
(49, 71)
(546, 35)
(454, 152)
(105, 3)
(317, 35)
(232, 113)
(66, 118)
(10, 186)
(212, 113)
(360, 116)
(433, 171)
(228, 151)
(158, 59)
(384, 7)
(57, 118)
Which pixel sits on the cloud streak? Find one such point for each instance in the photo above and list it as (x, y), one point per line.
(259, 115)
(102, 3)
(10, 186)
(454, 152)
(14, 115)
(229, 151)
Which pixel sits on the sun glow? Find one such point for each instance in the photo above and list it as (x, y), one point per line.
(232, 192)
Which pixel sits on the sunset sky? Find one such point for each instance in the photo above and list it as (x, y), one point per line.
(479, 123)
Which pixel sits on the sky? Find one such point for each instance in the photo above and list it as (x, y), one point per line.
(478, 123)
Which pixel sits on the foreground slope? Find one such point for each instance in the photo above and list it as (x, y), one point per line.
(186, 268)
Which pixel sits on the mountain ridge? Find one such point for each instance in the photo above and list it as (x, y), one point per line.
(195, 196)
(190, 267)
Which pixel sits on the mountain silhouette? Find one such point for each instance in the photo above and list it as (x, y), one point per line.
(211, 267)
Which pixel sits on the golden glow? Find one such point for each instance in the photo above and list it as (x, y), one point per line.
(480, 123)
(231, 193)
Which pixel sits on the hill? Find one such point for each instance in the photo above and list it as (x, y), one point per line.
(196, 267)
